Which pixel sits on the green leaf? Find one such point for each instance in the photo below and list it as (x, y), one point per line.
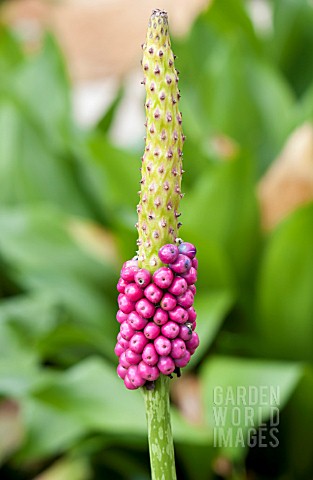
(284, 295)
(240, 394)
(106, 121)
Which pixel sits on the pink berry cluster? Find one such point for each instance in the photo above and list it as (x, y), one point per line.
(156, 316)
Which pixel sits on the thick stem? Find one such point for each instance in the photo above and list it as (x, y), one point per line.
(160, 437)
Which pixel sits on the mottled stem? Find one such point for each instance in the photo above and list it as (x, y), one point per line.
(158, 213)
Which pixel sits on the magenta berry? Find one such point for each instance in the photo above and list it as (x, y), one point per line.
(125, 304)
(179, 315)
(192, 314)
(170, 330)
(193, 343)
(118, 350)
(148, 372)
(123, 361)
(162, 345)
(128, 384)
(190, 276)
(195, 263)
(121, 284)
(166, 365)
(121, 371)
(186, 299)
(138, 342)
(168, 253)
(136, 321)
(188, 249)
(128, 273)
(183, 361)
(135, 377)
(126, 331)
(160, 317)
(132, 357)
(145, 308)
(133, 292)
(178, 348)
(193, 289)
(122, 341)
(121, 316)
(163, 277)
(181, 265)
(150, 355)
(142, 277)
(178, 286)
(152, 331)
(168, 302)
(153, 293)
(185, 331)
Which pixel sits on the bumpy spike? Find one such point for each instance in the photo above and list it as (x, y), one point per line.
(162, 161)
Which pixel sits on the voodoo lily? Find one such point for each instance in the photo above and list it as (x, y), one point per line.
(156, 288)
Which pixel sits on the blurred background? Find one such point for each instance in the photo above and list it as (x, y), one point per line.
(71, 137)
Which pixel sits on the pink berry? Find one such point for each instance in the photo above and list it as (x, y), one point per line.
(130, 263)
(160, 316)
(195, 263)
(153, 293)
(145, 308)
(121, 316)
(190, 276)
(193, 325)
(182, 362)
(166, 365)
(121, 284)
(135, 377)
(121, 371)
(148, 372)
(179, 315)
(132, 357)
(192, 314)
(188, 249)
(185, 332)
(186, 299)
(118, 350)
(128, 273)
(193, 289)
(168, 253)
(138, 342)
(170, 330)
(162, 345)
(133, 292)
(178, 348)
(179, 286)
(142, 277)
(193, 343)
(163, 277)
(123, 361)
(128, 384)
(122, 341)
(151, 331)
(168, 302)
(126, 331)
(181, 265)
(136, 321)
(149, 354)
(125, 304)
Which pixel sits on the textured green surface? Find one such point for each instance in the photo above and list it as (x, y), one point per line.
(162, 160)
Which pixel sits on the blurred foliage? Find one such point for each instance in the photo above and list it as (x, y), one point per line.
(67, 210)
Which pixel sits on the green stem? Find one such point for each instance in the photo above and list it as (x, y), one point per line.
(160, 437)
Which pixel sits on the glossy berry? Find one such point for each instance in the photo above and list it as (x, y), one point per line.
(183, 361)
(170, 330)
(166, 365)
(135, 377)
(121, 316)
(118, 350)
(121, 284)
(138, 342)
(190, 276)
(181, 265)
(188, 249)
(145, 308)
(132, 357)
(123, 361)
(193, 289)
(136, 321)
(152, 331)
(192, 314)
(168, 302)
(150, 355)
(178, 348)
(163, 277)
(168, 253)
(148, 372)
(128, 273)
(160, 317)
(128, 384)
(142, 278)
(133, 292)
(185, 331)
(186, 299)
(122, 341)
(193, 343)
(195, 263)
(126, 331)
(162, 345)
(178, 286)
(121, 371)
(153, 293)
(125, 304)
(179, 315)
